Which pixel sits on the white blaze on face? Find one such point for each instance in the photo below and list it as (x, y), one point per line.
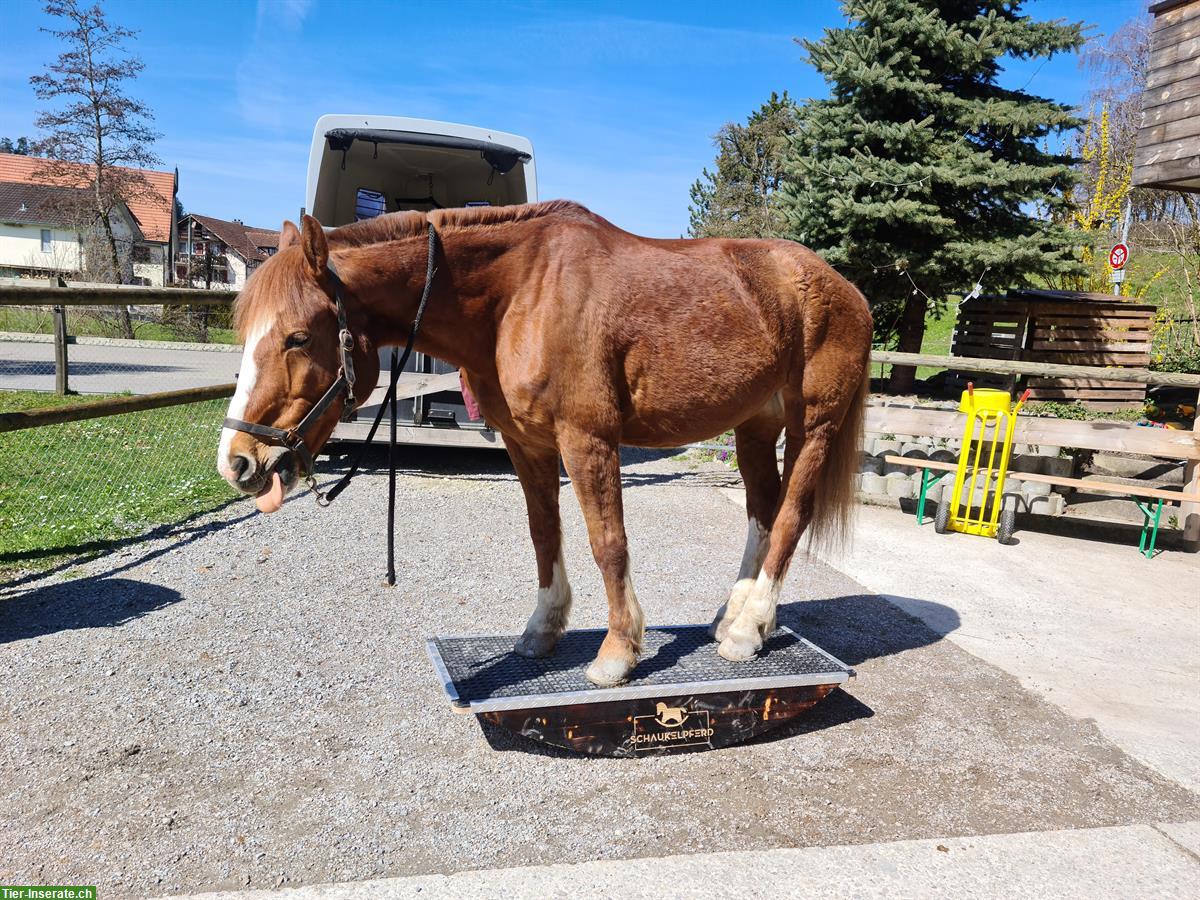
(247, 376)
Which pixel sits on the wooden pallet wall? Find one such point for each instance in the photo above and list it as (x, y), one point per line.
(989, 328)
(1065, 329)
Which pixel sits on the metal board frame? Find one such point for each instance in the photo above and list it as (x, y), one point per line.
(839, 673)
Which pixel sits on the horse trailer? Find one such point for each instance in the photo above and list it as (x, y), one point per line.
(364, 166)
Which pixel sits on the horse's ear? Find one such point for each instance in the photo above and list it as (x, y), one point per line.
(316, 249)
(289, 234)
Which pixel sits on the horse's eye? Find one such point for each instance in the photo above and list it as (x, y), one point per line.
(299, 339)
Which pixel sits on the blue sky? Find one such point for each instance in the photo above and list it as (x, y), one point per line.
(620, 99)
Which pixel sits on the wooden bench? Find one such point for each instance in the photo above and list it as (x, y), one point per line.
(1151, 517)
(1105, 436)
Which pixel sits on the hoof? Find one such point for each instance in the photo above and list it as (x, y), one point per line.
(738, 648)
(609, 672)
(536, 644)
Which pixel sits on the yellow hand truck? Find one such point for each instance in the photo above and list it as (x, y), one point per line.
(982, 466)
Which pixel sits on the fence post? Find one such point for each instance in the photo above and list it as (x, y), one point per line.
(1190, 512)
(61, 377)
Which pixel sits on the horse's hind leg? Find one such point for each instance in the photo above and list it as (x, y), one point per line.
(538, 471)
(755, 439)
(594, 464)
(822, 435)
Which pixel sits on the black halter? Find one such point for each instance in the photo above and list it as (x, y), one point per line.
(343, 389)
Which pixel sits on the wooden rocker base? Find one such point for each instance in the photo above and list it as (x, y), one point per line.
(681, 697)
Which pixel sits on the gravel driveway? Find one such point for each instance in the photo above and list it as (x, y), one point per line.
(245, 703)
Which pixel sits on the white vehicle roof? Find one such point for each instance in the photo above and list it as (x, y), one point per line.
(405, 158)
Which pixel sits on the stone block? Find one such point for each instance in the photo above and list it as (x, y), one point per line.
(873, 483)
(1035, 488)
(1047, 505)
(899, 486)
(1059, 466)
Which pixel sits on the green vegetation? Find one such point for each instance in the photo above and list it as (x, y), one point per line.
(41, 321)
(1077, 411)
(738, 199)
(77, 488)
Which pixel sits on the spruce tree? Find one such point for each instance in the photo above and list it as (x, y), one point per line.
(920, 171)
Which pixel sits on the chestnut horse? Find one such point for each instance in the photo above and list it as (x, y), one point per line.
(577, 337)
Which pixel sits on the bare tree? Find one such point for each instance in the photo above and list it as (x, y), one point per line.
(1118, 65)
(95, 130)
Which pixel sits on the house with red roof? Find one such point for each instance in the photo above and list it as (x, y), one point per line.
(219, 253)
(41, 235)
(151, 213)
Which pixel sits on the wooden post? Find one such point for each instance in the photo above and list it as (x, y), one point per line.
(1190, 512)
(62, 384)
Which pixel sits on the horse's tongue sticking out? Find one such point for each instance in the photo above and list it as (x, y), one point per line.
(272, 498)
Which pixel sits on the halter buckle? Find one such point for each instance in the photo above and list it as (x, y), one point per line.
(346, 353)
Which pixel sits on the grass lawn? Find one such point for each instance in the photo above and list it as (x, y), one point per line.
(86, 324)
(938, 332)
(76, 488)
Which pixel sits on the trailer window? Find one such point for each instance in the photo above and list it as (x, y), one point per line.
(368, 204)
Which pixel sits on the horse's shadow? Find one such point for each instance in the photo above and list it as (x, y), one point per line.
(855, 629)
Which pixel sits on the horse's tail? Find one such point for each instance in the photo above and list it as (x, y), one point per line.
(833, 503)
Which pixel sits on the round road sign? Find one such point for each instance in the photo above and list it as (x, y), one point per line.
(1118, 256)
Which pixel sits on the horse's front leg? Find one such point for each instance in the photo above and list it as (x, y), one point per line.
(537, 468)
(594, 464)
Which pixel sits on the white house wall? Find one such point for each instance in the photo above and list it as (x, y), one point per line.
(237, 270)
(152, 271)
(21, 248)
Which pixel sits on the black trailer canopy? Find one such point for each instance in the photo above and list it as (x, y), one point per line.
(498, 156)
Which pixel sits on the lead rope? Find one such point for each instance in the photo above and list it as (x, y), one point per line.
(391, 528)
(389, 402)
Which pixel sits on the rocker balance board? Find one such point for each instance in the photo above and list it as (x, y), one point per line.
(681, 697)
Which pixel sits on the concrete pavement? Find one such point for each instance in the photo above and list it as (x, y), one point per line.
(1097, 863)
(1095, 628)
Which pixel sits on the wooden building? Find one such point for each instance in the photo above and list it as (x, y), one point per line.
(1168, 144)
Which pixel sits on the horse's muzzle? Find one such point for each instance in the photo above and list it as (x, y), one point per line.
(252, 476)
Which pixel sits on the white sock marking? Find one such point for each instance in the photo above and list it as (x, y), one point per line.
(553, 602)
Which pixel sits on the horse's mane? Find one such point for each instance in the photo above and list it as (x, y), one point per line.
(278, 288)
(401, 225)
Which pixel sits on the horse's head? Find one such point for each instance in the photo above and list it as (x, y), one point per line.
(293, 359)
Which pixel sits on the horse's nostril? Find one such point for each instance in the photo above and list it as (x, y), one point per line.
(242, 466)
